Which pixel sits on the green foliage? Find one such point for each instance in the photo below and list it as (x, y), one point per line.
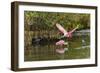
(47, 20)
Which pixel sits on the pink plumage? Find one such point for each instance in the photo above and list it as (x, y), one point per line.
(61, 42)
(66, 34)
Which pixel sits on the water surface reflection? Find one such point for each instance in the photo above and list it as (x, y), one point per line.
(50, 51)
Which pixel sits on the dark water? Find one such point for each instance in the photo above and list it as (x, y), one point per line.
(47, 51)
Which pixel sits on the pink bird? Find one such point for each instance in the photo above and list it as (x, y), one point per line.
(66, 34)
(61, 42)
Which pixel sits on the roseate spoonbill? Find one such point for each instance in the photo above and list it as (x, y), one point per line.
(61, 42)
(66, 34)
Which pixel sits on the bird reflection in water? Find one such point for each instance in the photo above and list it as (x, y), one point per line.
(61, 50)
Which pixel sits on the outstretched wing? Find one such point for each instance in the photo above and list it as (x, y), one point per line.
(74, 29)
(61, 28)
